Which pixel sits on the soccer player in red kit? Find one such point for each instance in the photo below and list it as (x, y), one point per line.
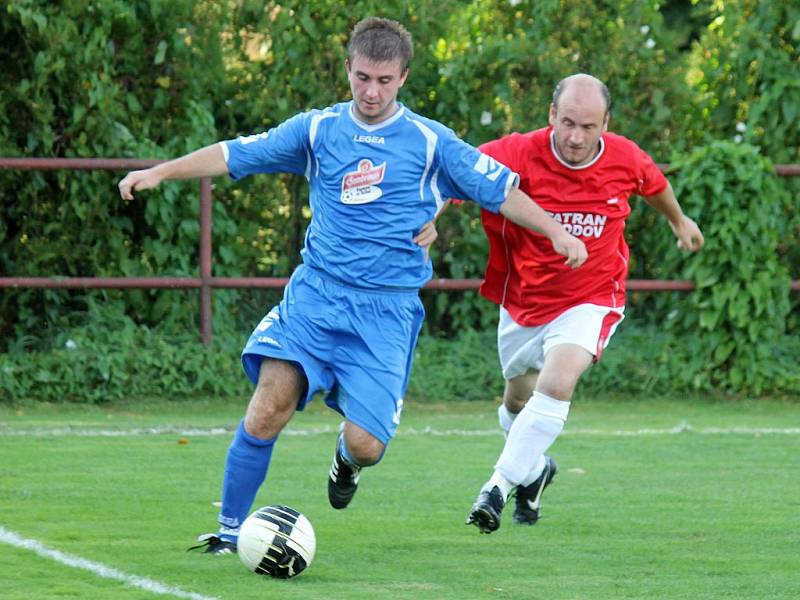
(555, 321)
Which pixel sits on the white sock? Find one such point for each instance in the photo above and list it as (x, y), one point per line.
(537, 470)
(534, 430)
(501, 482)
(506, 418)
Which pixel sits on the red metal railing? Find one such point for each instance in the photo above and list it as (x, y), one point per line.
(206, 281)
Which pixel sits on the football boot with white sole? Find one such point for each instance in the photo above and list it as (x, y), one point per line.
(214, 544)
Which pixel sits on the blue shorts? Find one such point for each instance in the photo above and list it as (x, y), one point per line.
(355, 345)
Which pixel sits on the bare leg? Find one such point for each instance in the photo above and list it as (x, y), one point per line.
(272, 404)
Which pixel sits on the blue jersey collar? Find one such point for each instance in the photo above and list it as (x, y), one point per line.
(398, 113)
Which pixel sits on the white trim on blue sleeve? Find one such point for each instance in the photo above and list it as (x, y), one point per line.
(511, 182)
(430, 147)
(312, 137)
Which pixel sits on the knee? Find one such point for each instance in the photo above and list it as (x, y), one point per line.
(560, 390)
(563, 367)
(514, 401)
(274, 400)
(265, 420)
(268, 414)
(557, 384)
(518, 390)
(364, 449)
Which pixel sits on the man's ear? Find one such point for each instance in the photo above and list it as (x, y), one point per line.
(552, 114)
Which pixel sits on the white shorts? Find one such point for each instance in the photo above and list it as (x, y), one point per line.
(522, 348)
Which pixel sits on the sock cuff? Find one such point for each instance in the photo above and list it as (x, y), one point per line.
(499, 480)
(505, 417)
(545, 405)
(348, 458)
(344, 452)
(536, 472)
(241, 433)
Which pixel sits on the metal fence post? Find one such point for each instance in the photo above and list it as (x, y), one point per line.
(205, 260)
(207, 281)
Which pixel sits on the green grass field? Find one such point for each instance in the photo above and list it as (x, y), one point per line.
(658, 499)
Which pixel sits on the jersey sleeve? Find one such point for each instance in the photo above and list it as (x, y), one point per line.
(651, 180)
(468, 173)
(499, 150)
(282, 149)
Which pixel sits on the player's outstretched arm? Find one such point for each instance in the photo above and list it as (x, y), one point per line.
(685, 229)
(521, 209)
(206, 162)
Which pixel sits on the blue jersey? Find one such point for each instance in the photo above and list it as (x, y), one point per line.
(372, 187)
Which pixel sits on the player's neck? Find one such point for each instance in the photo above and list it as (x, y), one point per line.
(589, 161)
(389, 115)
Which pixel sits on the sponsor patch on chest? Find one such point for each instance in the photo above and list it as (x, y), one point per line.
(361, 186)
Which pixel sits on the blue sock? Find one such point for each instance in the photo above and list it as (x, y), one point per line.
(345, 454)
(245, 470)
(348, 458)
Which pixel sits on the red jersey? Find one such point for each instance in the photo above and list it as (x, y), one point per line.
(524, 274)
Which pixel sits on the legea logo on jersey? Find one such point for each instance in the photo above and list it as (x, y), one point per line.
(369, 139)
(361, 186)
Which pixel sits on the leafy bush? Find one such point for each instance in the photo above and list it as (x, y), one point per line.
(156, 78)
(105, 79)
(741, 300)
(520, 52)
(87, 364)
(744, 69)
(462, 368)
(111, 357)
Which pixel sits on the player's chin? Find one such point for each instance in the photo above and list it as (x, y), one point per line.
(371, 109)
(577, 156)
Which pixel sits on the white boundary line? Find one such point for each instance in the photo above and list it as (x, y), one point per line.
(680, 428)
(9, 537)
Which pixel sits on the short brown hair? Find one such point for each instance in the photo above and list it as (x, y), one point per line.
(381, 40)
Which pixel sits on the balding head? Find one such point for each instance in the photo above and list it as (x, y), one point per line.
(582, 87)
(579, 117)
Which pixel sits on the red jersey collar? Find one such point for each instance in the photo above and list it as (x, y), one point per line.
(554, 150)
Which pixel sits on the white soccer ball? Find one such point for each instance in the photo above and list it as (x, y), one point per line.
(277, 541)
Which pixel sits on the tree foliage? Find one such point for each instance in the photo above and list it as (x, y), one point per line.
(745, 73)
(157, 78)
(99, 80)
(739, 307)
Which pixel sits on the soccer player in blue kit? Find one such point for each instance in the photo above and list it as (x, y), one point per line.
(351, 313)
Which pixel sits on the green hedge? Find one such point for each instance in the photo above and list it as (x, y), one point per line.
(89, 364)
(156, 78)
